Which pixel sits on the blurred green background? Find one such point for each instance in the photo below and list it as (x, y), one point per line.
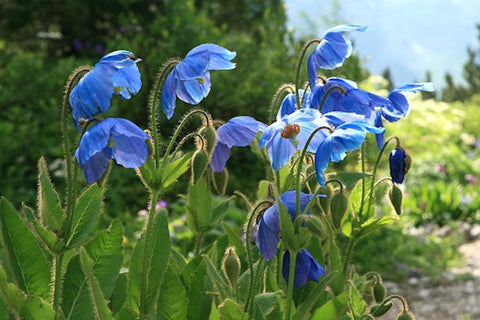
(43, 41)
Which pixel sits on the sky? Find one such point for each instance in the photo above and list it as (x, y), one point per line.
(411, 37)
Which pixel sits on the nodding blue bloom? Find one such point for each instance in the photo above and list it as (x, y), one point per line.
(306, 268)
(237, 132)
(346, 137)
(332, 51)
(396, 106)
(190, 79)
(399, 165)
(290, 133)
(114, 138)
(116, 73)
(268, 229)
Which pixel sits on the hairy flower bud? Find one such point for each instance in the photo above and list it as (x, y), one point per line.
(199, 165)
(231, 266)
(220, 180)
(338, 207)
(379, 292)
(405, 315)
(396, 197)
(380, 309)
(210, 135)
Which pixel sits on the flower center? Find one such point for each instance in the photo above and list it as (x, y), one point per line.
(290, 131)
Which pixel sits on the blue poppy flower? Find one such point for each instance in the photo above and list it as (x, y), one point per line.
(190, 79)
(268, 228)
(332, 51)
(306, 268)
(115, 74)
(348, 136)
(237, 132)
(396, 106)
(114, 138)
(290, 133)
(398, 165)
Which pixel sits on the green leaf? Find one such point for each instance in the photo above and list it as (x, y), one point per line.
(199, 303)
(28, 264)
(172, 300)
(288, 230)
(233, 238)
(218, 279)
(174, 169)
(266, 306)
(49, 205)
(312, 298)
(263, 187)
(199, 207)
(220, 210)
(106, 250)
(100, 305)
(332, 309)
(148, 264)
(85, 215)
(374, 224)
(232, 310)
(357, 305)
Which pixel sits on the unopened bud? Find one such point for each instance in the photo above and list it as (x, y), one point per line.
(380, 309)
(231, 266)
(199, 165)
(405, 315)
(315, 225)
(220, 180)
(338, 207)
(396, 197)
(379, 292)
(210, 135)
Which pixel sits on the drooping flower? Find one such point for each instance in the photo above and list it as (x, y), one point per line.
(396, 105)
(306, 268)
(332, 51)
(399, 164)
(114, 138)
(289, 134)
(190, 79)
(346, 137)
(237, 132)
(115, 74)
(268, 229)
(289, 103)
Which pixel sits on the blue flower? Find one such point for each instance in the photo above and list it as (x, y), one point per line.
(289, 103)
(237, 132)
(114, 138)
(268, 229)
(306, 268)
(346, 137)
(290, 133)
(332, 51)
(398, 165)
(190, 79)
(116, 73)
(396, 106)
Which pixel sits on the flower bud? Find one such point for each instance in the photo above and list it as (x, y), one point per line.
(231, 266)
(380, 309)
(220, 180)
(396, 197)
(405, 315)
(400, 163)
(199, 165)
(338, 207)
(315, 225)
(210, 135)
(379, 292)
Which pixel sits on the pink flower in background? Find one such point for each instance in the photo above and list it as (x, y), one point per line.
(472, 179)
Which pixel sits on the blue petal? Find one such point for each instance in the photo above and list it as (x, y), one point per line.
(169, 96)
(399, 106)
(129, 80)
(289, 103)
(379, 137)
(96, 166)
(397, 165)
(192, 67)
(192, 91)
(267, 240)
(94, 140)
(239, 131)
(220, 156)
(306, 268)
(337, 118)
(280, 151)
(322, 158)
(219, 56)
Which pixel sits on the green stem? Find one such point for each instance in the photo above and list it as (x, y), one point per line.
(351, 245)
(57, 293)
(374, 173)
(291, 278)
(152, 104)
(273, 105)
(299, 67)
(362, 160)
(179, 129)
(198, 242)
(249, 253)
(396, 296)
(182, 142)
